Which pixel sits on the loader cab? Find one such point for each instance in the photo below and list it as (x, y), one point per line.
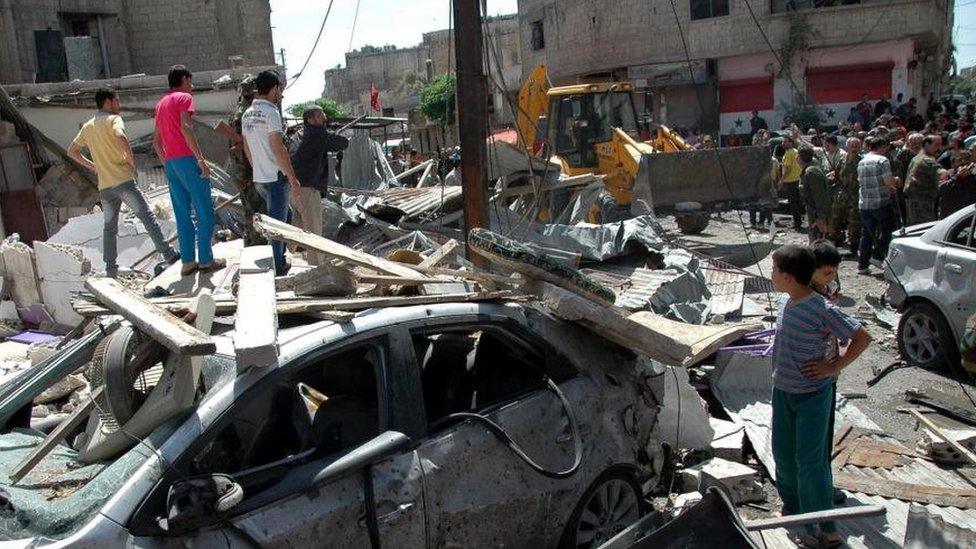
(582, 116)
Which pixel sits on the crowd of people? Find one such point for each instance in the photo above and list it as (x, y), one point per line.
(857, 184)
(287, 185)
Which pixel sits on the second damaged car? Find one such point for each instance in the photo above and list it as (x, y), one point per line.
(457, 424)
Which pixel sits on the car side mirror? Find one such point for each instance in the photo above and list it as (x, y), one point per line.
(194, 502)
(374, 450)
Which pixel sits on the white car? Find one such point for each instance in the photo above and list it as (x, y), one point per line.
(931, 270)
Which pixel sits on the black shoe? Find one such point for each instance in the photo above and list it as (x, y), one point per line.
(839, 496)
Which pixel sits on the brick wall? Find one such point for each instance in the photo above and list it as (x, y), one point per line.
(587, 36)
(148, 36)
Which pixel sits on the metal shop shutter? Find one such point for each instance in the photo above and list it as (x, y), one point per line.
(846, 84)
(747, 94)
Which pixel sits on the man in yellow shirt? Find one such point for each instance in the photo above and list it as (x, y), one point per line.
(113, 162)
(789, 182)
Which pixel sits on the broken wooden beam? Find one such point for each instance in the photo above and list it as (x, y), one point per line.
(256, 322)
(436, 257)
(966, 452)
(564, 183)
(607, 322)
(152, 320)
(326, 280)
(79, 415)
(277, 230)
(413, 170)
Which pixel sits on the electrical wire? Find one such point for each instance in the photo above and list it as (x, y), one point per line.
(314, 46)
(499, 432)
(355, 19)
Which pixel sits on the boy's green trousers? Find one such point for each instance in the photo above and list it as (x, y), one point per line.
(803, 477)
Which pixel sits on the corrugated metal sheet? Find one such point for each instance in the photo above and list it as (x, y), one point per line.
(727, 289)
(411, 201)
(743, 387)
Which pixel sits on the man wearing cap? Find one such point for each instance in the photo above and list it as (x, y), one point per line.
(922, 182)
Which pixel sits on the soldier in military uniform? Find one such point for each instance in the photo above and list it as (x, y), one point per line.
(240, 168)
(844, 212)
(922, 182)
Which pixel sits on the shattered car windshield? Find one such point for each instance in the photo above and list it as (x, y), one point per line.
(61, 494)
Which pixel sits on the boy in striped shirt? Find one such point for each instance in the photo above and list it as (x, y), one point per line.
(802, 393)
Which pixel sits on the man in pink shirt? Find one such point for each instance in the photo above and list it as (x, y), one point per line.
(187, 172)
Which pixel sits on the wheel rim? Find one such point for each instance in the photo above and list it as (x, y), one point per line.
(921, 338)
(612, 507)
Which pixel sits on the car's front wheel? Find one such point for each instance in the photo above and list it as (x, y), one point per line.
(610, 505)
(924, 337)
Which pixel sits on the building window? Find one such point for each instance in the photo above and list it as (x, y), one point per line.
(785, 6)
(705, 9)
(538, 36)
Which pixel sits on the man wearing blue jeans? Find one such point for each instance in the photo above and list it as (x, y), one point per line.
(112, 159)
(265, 148)
(187, 172)
(876, 188)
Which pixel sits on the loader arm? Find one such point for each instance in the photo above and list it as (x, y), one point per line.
(620, 159)
(533, 102)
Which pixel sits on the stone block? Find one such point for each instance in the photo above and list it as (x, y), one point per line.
(728, 439)
(20, 272)
(325, 280)
(62, 270)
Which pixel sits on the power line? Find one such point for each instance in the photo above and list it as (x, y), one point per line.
(315, 45)
(355, 19)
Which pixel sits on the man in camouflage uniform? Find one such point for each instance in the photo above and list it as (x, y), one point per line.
(922, 182)
(844, 211)
(240, 168)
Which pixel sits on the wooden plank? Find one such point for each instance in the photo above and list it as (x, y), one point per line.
(361, 303)
(945, 496)
(701, 340)
(276, 230)
(448, 249)
(609, 323)
(256, 323)
(154, 321)
(966, 452)
(425, 175)
(840, 513)
(79, 415)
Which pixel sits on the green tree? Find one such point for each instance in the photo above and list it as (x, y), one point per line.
(331, 108)
(962, 85)
(437, 100)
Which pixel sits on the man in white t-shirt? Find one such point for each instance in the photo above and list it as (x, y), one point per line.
(264, 145)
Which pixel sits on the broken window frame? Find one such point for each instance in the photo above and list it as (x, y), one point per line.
(559, 367)
(144, 519)
(953, 233)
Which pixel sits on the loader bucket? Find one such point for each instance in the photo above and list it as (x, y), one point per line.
(665, 179)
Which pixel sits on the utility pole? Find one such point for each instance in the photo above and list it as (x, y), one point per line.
(472, 108)
(282, 54)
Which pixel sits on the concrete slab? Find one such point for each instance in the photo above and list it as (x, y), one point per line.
(728, 439)
(62, 270)
(20, 273)
(85, 231)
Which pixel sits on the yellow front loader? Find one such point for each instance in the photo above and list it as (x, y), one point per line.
(594, 128)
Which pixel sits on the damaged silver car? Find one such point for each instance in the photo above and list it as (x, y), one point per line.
(469, 425)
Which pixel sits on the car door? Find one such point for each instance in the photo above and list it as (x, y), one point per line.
(956, 272)
(479, 493)
(289, 443)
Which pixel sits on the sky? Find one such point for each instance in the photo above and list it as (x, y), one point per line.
(402, 23)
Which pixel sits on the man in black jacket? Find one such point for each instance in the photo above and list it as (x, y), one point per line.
(311, 163)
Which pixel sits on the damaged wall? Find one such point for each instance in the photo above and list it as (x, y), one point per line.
(139, 36)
